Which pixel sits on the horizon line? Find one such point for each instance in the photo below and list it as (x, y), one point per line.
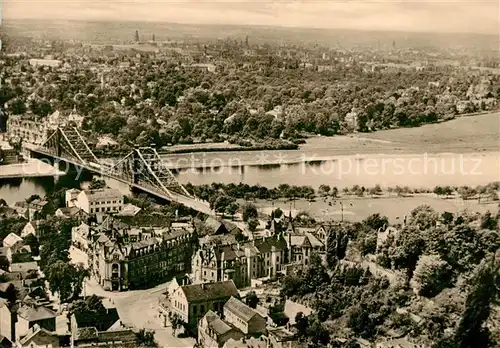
(112, 20)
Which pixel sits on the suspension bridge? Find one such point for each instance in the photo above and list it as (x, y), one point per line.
(142, 168)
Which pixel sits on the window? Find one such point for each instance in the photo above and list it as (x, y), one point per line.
(195, 309)
(204, 273)
(202, 309)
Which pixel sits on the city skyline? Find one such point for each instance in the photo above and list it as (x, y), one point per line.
(422, 16)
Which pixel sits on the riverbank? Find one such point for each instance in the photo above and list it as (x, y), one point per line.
(222, 147)
(358, 208)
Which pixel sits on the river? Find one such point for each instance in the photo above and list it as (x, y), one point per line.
(313, 168)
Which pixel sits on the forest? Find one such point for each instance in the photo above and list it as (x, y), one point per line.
(444, 291)
(274, 99)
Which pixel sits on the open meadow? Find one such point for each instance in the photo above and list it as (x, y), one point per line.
(467, 134)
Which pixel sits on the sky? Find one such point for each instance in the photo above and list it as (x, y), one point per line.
(475, 16)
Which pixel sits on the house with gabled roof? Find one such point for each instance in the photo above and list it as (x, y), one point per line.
(28, 229)
(302, 246)
(30, 314)
(12, 241)
(39, 337)
(215, 332)
(247, 319)
(192, 302)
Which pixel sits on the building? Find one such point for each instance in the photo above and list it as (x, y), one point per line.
(102, 320)
(247, 319)
(7, 320)
(28, 229)
(302, 246)
(80, 235)
(282, 338)
(215, 332)
(132, 258)
(247, 343)
(37, 209)
(53, 63)
(40, 337)
(72, 213)
(100, 201)
(103, 328)
(29, 129)
(31, 314)
(192, 302)
(13, 241)
(398, 343)
(23, 270)
(241, 263)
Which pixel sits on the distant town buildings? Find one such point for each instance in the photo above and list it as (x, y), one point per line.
(53, 63)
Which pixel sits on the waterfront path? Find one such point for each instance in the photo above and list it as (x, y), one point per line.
(29, 169)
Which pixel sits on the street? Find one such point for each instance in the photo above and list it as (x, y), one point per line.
(139, 308)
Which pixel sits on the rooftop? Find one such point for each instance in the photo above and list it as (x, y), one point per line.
(24, 266)
(35, 313)
(104, 319)
(98, 195)
(11, 239)
(209, 291)
(240, 309)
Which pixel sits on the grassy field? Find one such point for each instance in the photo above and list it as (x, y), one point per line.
(356, 209)
(478, 133)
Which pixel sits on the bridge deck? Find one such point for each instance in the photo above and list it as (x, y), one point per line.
(189, 202)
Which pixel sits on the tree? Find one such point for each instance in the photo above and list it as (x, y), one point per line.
(278, 213)
(66, 279)
(251, 299)
(447, 217)
(91, 303)
(337, 241)
(324, 189)
(432, 274)
(32, 198)
(335, 192)
(368, 245)
(18, 107)
(301, 324)
(438, 190)
(361, 322)
(33, 243)
(97, 184)
(175, 321)
(376, 222)
(249, 212)
(424, 217)
(232, 208)
(484, 290)
(488, 221)
(252, 224)
(146, 339)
